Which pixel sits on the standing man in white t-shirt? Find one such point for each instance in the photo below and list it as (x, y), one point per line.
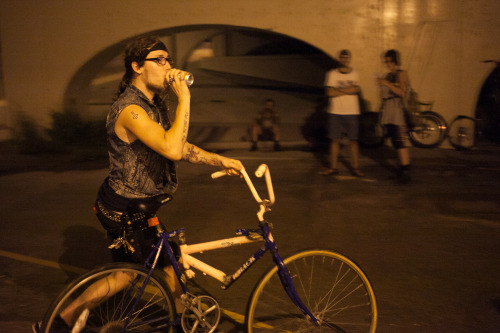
(341, 88)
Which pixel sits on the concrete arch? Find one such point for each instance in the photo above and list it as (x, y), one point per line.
(242, 55)
(44, 44)
(77, 91)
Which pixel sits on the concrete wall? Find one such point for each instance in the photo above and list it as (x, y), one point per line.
(44, 43)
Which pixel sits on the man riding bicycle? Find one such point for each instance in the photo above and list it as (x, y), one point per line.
(143, 146)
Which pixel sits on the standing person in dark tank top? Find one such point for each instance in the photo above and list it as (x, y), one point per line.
(394, 88)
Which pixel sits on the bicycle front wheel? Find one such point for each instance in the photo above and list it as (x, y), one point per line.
(462, 134)
(429, 130)
(115, 295)
(331, 286)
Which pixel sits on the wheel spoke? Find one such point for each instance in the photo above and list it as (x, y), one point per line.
(333, 288)
(462, 133)
(114, 306)
(429, 130)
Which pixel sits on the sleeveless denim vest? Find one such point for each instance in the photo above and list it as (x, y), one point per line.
(135, 170)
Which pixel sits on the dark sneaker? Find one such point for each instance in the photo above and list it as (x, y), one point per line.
(404, 177)
(254, 146)
(277, 146)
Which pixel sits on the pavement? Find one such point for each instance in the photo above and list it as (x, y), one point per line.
(430, 248)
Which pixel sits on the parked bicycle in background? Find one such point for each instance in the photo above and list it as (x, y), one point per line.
(465, 132)
(429, 129)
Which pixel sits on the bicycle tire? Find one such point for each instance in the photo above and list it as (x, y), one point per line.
(462, 134)
(333, 287)
(429, 130)
(155, 310)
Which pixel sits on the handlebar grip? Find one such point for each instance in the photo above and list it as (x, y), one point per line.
(260, 170)
(219, 174)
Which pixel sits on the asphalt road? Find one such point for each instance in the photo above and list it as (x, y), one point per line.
(430, 248)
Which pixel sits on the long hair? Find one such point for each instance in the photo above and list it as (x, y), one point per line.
(136, 50)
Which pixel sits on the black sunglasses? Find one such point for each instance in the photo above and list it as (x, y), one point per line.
(161, 60)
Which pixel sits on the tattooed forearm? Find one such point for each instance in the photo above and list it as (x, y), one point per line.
(191, 154)
(186, 126)
(199, 156)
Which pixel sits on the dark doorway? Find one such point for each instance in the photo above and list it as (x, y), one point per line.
(488, 105)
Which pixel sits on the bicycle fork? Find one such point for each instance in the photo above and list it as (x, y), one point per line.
(286, 281)
(285, 277)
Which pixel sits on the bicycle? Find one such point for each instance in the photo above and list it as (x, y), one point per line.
(463, 133)
(428, 131)
(429, 128)
(314, 290)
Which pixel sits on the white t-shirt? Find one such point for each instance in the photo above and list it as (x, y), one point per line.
(345, 104)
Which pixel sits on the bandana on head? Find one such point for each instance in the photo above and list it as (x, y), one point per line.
(158, 46)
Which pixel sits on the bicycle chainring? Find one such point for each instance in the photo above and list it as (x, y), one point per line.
(202, 315)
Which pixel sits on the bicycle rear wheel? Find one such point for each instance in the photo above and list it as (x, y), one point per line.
(429, 130)
(110, 307)
(332, 287)
(462, 134)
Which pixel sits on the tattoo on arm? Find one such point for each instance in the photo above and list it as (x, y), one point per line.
(191, 155)
(134, 115)
(186, 127)
(198, 156)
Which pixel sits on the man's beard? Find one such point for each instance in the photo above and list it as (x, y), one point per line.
(159, 90)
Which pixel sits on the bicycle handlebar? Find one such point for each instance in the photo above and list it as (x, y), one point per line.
(262, 170)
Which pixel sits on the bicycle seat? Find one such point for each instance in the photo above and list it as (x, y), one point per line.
(148, 206)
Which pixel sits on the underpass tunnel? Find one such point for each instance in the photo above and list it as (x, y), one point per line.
(235, 70)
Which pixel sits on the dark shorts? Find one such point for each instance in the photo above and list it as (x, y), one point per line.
(339, 125)
(139, 235)
(267, 134)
